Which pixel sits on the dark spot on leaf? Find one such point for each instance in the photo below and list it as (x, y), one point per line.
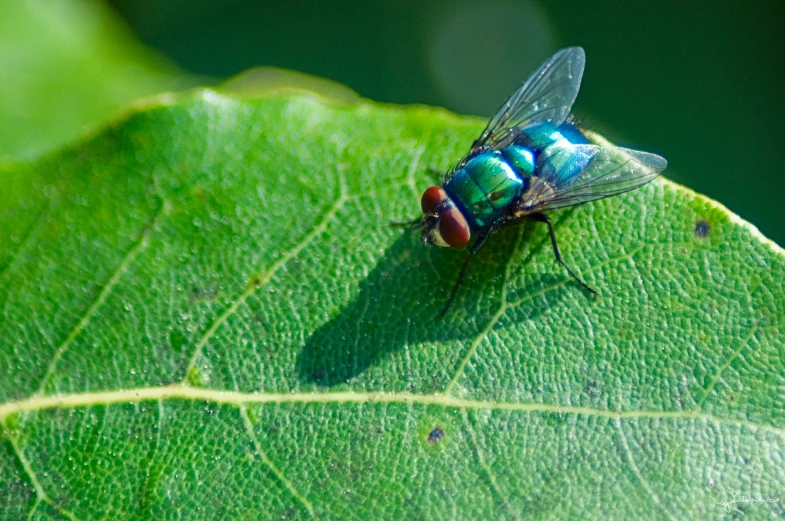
(176, 339)
(294, 266)
(203, 294)
(592, 389)
(702, 229)
(318, 375)
(436, 435)
(256, 282)
(556, 419)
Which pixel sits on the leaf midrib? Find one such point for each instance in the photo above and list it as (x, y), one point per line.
(180, 391)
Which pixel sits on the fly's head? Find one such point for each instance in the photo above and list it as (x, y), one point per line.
(442, 223)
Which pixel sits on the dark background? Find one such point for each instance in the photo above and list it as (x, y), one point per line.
(701, 84)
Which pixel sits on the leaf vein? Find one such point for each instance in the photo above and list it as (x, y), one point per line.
(529, 296)
(178, 391)
(41, 494)
(23, 243)
(139, 246)
(271, 466)
(490, 474)
(263, 279)
(646, 486)
(491, 323)
(718, 375)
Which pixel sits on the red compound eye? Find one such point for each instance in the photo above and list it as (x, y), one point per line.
(432, 198)
(454, 229)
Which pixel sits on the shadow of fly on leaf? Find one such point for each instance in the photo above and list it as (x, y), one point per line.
(398, 306)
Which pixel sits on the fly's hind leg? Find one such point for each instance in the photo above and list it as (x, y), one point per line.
(544, 219)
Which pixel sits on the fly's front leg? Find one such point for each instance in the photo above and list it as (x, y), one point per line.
(417, 223)
(544, 219)
(481, 240)
(436, 174)
(414, 223)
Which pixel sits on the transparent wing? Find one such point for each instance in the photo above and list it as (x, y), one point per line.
(546, 96)
(576, 174)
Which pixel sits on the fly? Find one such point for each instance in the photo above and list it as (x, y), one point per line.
(530, 158)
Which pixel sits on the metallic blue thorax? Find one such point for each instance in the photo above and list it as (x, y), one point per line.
(489, 181)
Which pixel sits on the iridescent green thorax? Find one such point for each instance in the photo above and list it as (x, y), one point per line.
(488, 183)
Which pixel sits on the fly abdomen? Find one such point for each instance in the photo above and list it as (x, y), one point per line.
(521, 159)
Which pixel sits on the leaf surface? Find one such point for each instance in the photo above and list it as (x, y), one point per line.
(206, 314)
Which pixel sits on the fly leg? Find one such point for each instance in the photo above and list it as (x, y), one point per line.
(417, 223)
(436, 173)
(414, 223)
(481, 240)
(544, 219)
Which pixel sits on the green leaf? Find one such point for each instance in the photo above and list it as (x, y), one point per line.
(67, 65)
(206, 314)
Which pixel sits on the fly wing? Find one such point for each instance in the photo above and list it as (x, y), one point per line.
(576, 174)
(546, 96)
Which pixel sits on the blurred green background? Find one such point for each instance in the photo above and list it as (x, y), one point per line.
(700, 83)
